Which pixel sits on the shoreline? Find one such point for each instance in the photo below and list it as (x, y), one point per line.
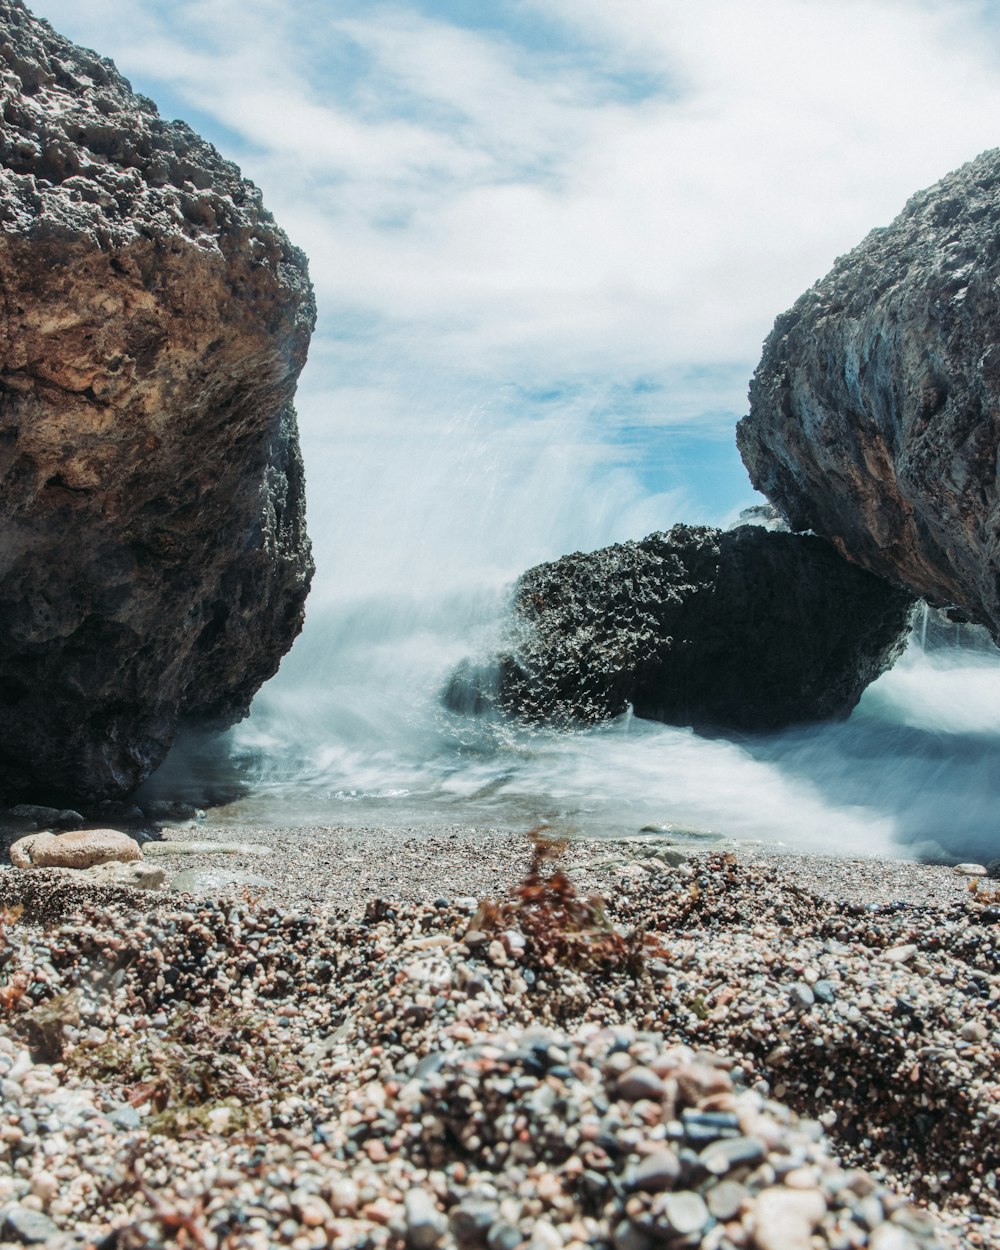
(863, 994)
(337, 867)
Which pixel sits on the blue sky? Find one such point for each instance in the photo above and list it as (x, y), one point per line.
(549, 238)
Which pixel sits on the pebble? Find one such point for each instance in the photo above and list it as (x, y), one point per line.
(29, 1227)
(889, 1237)
(657, 1171)
(785, 1218)
(382, 1080)
(971, 870)
(639, 1082)
(899, 954)
(425, 1224)
(681, 1214)
(725, 1200)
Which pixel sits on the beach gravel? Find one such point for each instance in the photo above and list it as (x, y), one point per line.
(253, 1069)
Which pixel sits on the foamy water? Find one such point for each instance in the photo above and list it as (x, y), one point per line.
(355, 733)
(421, 525)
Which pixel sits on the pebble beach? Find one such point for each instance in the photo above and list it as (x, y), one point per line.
(400, 1038)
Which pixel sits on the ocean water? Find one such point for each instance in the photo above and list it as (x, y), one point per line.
(354, 733)
(418, 545)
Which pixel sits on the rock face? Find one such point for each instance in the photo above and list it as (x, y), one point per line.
(875, 411)
(745, 629)
(153, 555)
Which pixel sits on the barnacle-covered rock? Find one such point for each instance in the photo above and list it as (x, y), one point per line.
(743, 629)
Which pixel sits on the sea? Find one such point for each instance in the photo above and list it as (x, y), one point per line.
(420, 534)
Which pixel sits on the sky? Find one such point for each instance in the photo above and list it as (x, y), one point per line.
(548, 238)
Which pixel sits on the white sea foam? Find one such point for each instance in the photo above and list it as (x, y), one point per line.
(418, 546)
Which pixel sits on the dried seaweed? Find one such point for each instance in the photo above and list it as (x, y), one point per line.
(561, 927)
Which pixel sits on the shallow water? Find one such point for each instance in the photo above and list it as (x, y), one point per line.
(353, 732)
(421, 522)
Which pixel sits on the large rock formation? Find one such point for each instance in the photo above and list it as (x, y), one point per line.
(745, 629)
(875, 411)
(153, 556)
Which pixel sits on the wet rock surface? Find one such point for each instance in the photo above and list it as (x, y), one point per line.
(155, 561)
(874, 411)
(743, 629)
(260, 1075)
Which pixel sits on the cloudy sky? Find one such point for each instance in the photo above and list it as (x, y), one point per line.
(548, 236)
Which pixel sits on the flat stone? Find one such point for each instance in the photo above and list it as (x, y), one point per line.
(47, 817)
(81, 848)
(205, 847)
(891, 1237)
(666, 858)
(213, 880)
(31, 1228)
(899, 954)
(136, 876)
(785, 1218)
(681, 831)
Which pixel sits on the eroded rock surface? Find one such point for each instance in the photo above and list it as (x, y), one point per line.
(744, 629)
(82, 848)
(875, 411)
(153, 555)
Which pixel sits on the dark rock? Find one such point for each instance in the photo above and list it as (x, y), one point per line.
(170, 809)
(744, 629)
(655, 1172)
(734, 1152)
(38, 817)
(471, 1221)
(155, 563)
(117, 810)
(875, 411)
(709, 1126)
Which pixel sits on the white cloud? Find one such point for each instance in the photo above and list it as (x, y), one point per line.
(638, 196)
